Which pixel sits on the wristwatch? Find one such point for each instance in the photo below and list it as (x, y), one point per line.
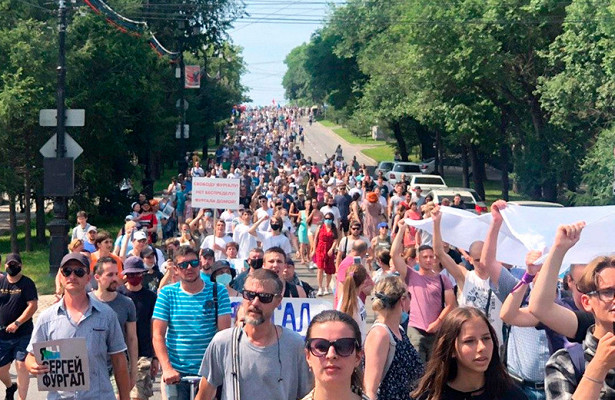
(17, 323)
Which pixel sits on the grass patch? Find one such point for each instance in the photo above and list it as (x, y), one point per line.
(165, 178)
(345, 134)
(327, 123)
(380, 153)
(493, 189)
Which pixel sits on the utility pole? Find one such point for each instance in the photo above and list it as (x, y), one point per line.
(59, 226)
(182, 111)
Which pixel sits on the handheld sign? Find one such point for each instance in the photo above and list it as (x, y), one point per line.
(215, 193)
(292, 313)
(68, 364)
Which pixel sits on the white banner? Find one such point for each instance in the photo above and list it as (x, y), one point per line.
(67, 360)
(292, 313)
(216, 193)
(530, 228)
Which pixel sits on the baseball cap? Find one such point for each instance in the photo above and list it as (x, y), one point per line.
(133, 265)
(13, 257)
(300, 191)
(220, 264)
(128, 218)
(383, 225)
(139, 235)
(80, 258)
(208, 253)
(148, 251)
(417, 188)
(92, 228)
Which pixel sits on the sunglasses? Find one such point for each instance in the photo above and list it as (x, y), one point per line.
(344, 347)
(79, 272)
(355, 228)
(191, 263)
(265, 298)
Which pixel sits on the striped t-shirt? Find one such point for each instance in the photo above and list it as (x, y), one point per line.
(191, 323)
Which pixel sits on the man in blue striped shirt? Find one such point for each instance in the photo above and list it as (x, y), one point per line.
(184, 322)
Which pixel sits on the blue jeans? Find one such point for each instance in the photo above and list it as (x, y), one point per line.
(533, 394)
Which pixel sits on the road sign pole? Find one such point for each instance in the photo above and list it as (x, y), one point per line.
(59, 226)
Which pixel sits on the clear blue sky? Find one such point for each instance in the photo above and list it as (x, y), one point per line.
(271, 31)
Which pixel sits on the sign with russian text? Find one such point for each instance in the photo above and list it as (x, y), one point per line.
(292, 313)
(67, 360)
(215, 193)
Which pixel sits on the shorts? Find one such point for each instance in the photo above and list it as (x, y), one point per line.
(13, 349)
(144, 388)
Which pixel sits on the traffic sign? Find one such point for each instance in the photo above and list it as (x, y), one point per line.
(186, 131)
(49, 117)
(73, 150)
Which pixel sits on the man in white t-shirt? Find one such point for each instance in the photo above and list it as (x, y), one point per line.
(262, 211)
(217, 242)
(241, 235)
(330, 207)
(273, 238)
(228, 216)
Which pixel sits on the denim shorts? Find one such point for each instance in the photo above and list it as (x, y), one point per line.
(13, 349)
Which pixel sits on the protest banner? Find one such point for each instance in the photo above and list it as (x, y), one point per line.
(68, 364)
(292, 313)
(215, 193)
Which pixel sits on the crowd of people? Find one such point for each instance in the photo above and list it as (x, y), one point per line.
(450, 323)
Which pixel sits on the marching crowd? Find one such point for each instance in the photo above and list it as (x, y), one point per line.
(450, 323)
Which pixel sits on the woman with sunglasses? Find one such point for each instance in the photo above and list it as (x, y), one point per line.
(392, 365)
(333, 353)
(323, 252)
(465, 363)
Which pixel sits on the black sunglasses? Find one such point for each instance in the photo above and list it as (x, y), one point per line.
(263, 297)
(79, 272)
(355, 227)
(344, 347)
(191, 263)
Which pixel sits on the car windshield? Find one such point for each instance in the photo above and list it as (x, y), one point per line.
(407, 168)
(386, 165)
(428, 180)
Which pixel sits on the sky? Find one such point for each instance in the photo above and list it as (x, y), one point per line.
(272, 30)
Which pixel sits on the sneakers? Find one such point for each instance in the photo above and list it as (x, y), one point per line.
(326, 292)
(10, 392)
(319, 293)
(311, 265)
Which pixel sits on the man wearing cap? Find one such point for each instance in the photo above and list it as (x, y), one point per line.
(107, 276)
(152, 274)
(144, 301)
(207, 259)
(79, 315)
(89, 242)
(18, 302)
(139, 243)
(180, 333)
(417, 196)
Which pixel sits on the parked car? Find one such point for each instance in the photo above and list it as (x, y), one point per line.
(384, 167)
(428, 166)
(471, 199)
(405, 168)
(427, 182)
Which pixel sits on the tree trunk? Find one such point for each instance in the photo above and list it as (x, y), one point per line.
(28, 207)
(465, 169)
(505, 165)
(401, 141)
(13, 223)
(477, 171)
(439, 154)
(40, 216)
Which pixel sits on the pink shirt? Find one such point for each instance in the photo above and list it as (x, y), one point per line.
(426, 297)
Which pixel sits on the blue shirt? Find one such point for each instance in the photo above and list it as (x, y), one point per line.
(103, 336)
(191, 322)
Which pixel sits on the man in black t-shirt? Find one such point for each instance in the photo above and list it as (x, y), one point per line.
(18, 302)
(144, 300)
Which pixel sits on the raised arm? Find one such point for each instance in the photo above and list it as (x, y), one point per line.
(511, 311)
(254, 227)
(457, 271)
(542, 303)
(487, 257)
(397, 249)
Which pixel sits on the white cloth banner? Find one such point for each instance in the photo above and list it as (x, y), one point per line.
(530, 228)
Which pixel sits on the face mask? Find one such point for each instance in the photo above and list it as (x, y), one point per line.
(13, 270)
(208, 214)
(256, 264)
(328, 221)
(224, 279)
(275, 227)
(134, 280)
